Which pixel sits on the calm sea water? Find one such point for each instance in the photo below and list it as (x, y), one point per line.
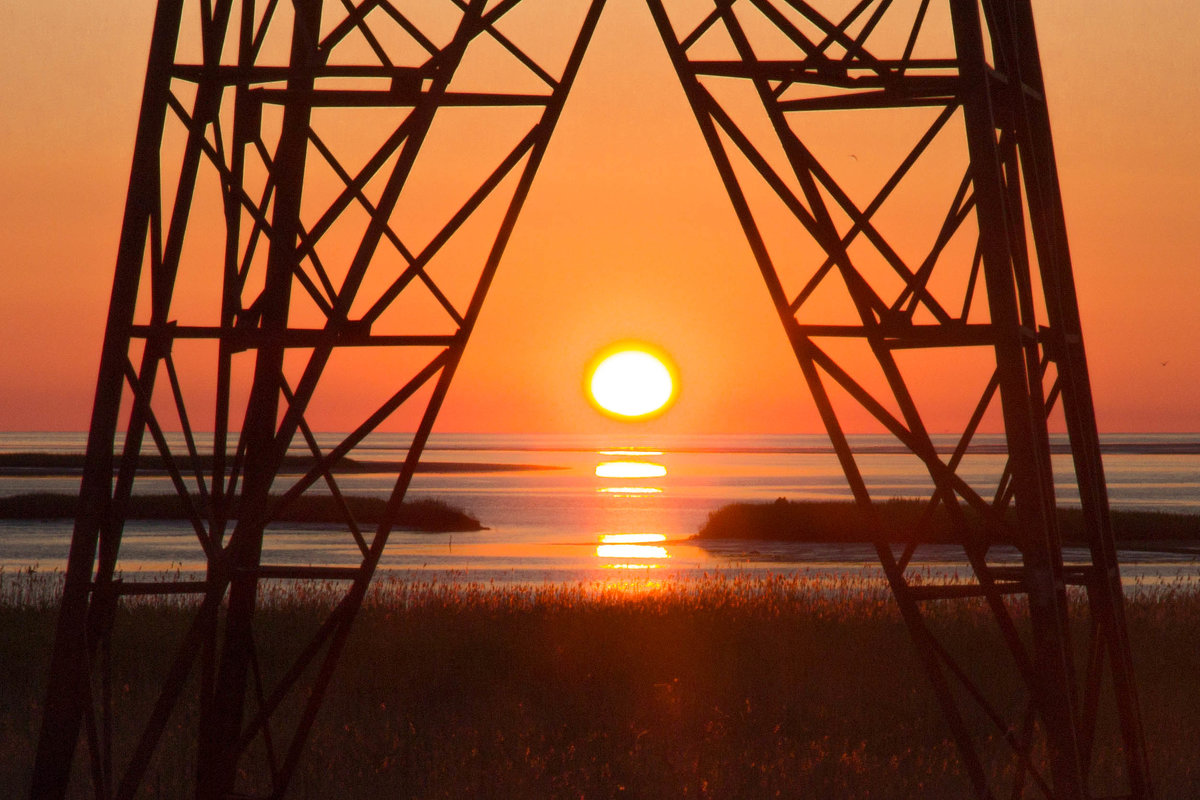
(609, 509)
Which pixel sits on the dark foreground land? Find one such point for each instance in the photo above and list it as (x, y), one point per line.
(843, 522)
(433, 516)
(718, 688)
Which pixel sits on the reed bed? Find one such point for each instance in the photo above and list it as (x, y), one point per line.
(793, 685)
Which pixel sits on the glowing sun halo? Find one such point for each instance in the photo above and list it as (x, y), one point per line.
(630, 382)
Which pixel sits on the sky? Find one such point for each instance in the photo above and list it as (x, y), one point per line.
(627, 232)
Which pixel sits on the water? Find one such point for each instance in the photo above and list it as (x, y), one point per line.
(606, 508)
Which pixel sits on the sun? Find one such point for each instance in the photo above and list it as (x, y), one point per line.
(631, 381)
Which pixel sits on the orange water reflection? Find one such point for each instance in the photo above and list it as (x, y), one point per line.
(633, 549)
(638, 551)
(631, 538)
(630, 469)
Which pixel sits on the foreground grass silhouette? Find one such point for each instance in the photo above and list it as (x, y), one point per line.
(785, 686)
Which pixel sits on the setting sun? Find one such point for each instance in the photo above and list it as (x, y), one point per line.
(630, 382)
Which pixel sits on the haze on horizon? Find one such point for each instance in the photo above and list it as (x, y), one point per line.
(627, 233)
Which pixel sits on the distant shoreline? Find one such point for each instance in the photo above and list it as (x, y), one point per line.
(1185, 443)
(58, 464)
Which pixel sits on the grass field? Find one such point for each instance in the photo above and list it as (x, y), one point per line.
(722, 688)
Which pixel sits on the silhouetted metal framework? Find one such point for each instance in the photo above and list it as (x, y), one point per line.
(246, 105)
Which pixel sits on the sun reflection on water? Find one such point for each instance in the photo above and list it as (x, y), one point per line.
(630, 469)
(631, 551)
(638, 551)
(631, 538)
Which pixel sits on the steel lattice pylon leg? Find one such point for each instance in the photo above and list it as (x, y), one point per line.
(239, 144)
(248, 103)
(757, 75)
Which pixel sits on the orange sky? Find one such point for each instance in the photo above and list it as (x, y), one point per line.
(627, 232)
